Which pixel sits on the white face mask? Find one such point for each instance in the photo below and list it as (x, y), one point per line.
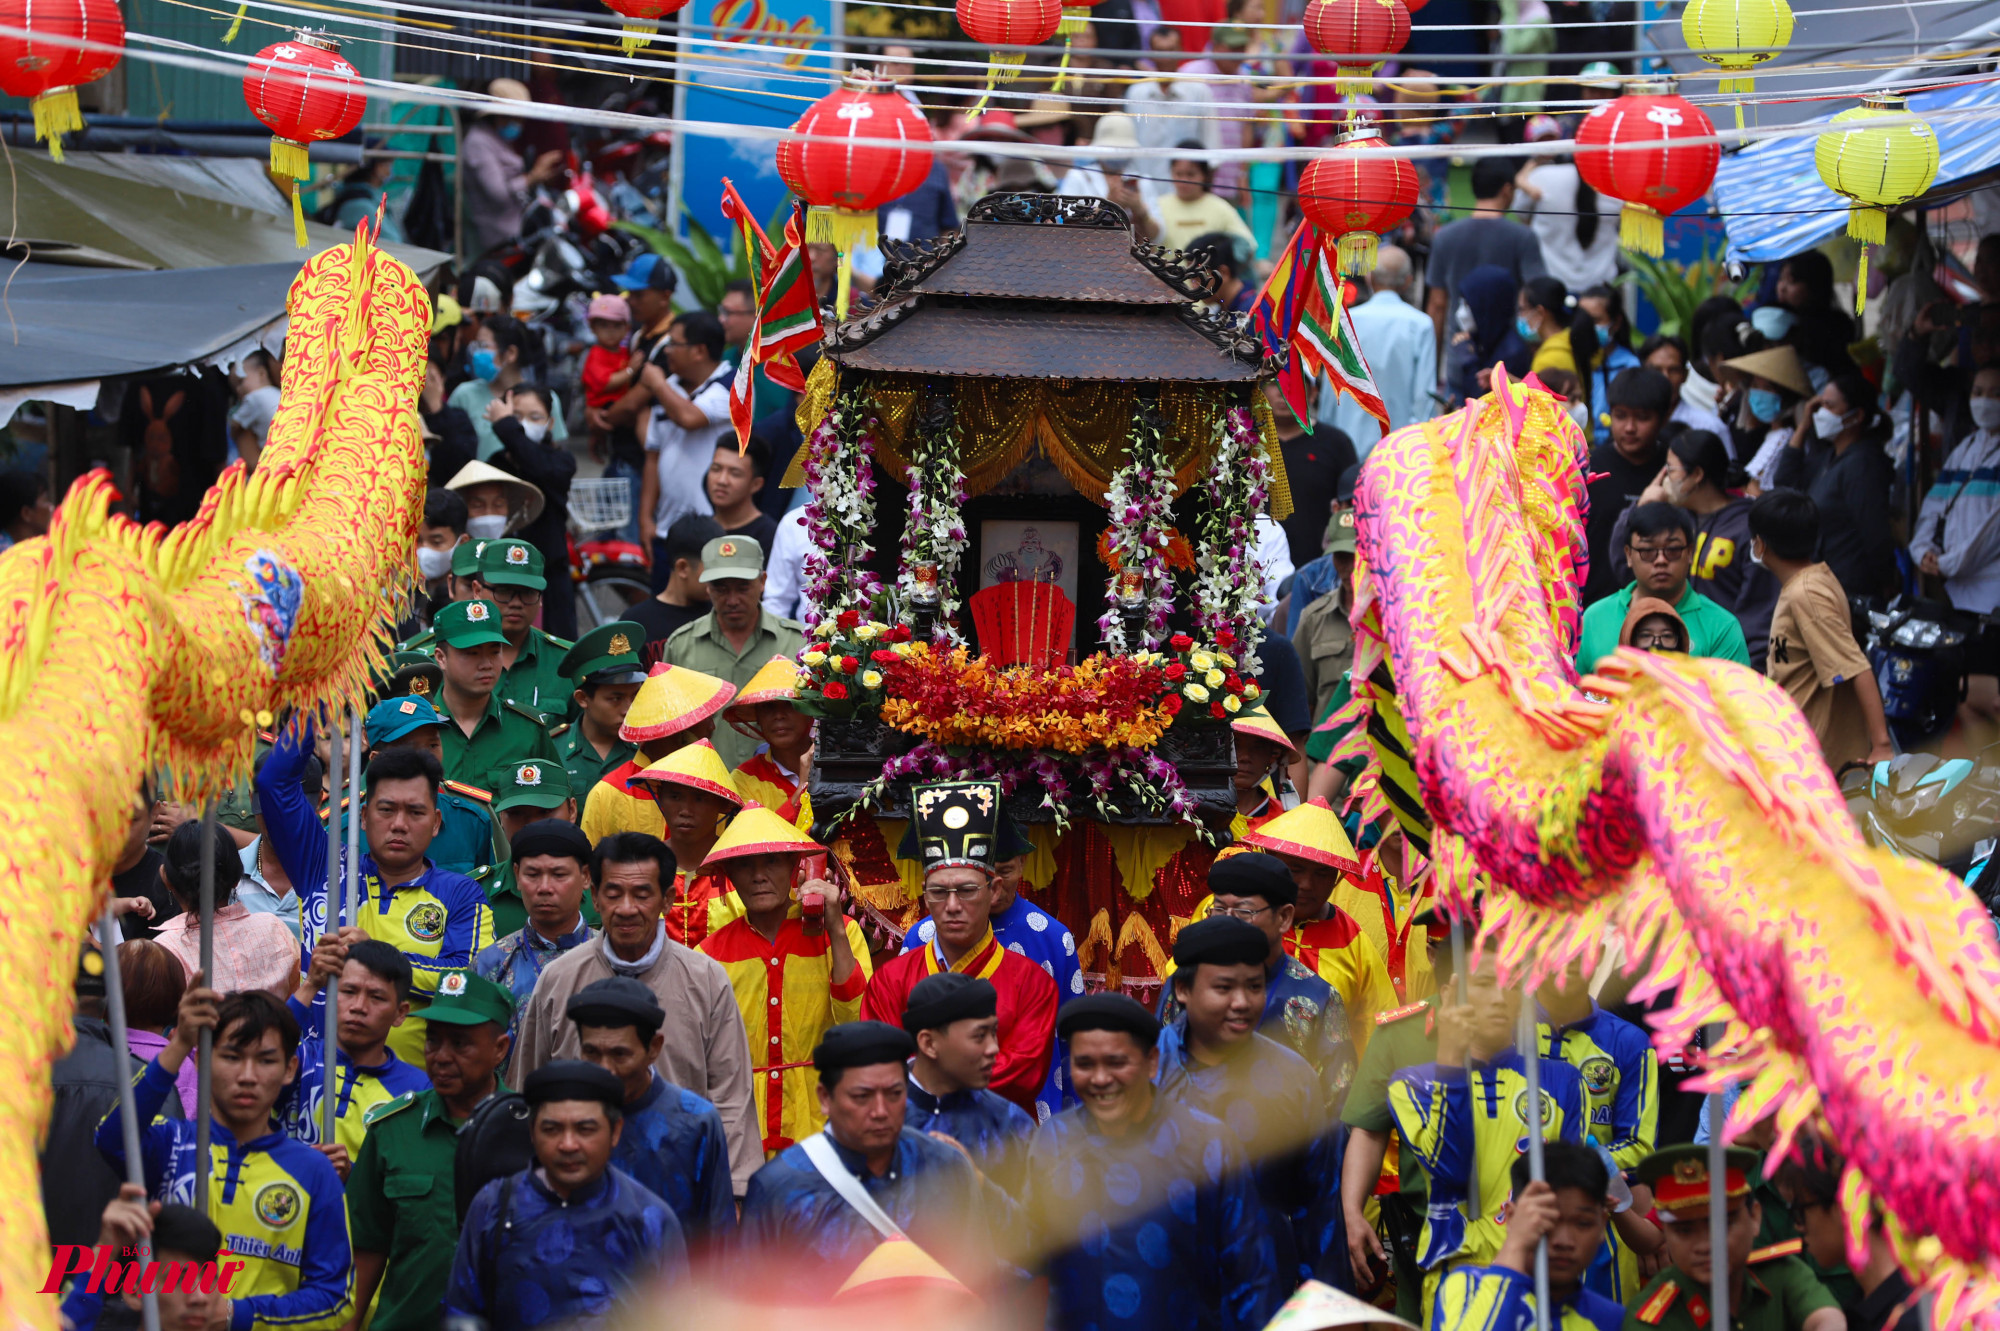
(1827, 424)
(433, 564)
(1986, 412)
(535, 430)
(487, 527)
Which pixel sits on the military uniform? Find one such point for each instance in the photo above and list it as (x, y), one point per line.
(536, 680)
(401, 1199)
(539, 783)
(605, 655)
(701, 645)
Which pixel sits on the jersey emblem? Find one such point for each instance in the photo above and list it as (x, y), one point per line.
(425, 922)
(277, 1204)
(1548, 1109)
(1599, 1075)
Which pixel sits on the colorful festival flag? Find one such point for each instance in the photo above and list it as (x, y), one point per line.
(786, 312)
(1275, 314)
(1325, 336)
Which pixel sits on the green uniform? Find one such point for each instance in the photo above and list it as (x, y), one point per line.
(699, 645)
(1404, 1038)
(580, 759)
(536, 680)
(539, 785)
(1777, 1231)
(508, 733)
(1779, 1293)
(400, 1203)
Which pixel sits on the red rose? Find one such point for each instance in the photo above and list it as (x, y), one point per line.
(1176, 672)
(1234, 681)
(1180, 642)
(1172, 704)
(849, 618)
(1225, 639)
(884, 658)
(1215, 710)
(836, 691)
(848, 665)
(900, 633)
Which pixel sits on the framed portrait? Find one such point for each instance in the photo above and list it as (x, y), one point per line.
(1017, 550)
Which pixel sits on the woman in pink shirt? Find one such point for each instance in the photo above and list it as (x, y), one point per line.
(252, 951)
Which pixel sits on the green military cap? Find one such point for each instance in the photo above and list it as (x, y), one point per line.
(465, 558)
(393, 718)
(731, 557)
(466, 999)
(414, 675)
(468, 624)
(1678, 1175)
(535, 783)
(511, 562)
(608, 654)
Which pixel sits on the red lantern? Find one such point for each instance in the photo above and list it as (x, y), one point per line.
(48, 74)
(1650, 171)
(1007, 23)
(1356, 27)
(637, 35)
(302, 90)
(845, 183)
(1354, 193)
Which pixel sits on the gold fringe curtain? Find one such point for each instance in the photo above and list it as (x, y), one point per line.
(1081, 427)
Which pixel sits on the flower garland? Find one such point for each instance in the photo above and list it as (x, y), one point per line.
(934, 533)
(840, 515)
(844, 665)
(1139, 499)
(1229, 588)
(953, 698)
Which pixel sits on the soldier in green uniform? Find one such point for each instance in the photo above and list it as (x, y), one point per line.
(401, 1208)
(1770, 1289)
(510, 571)
(462, 584)
(413, 675)
(1404, 1037)
(483, 732)
(465, 842)
(526, 793)
(605, 667)
(734, 640)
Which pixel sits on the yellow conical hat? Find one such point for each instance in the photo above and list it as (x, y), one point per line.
(672, 699)
(898, 1266)
(777, 681)
(1318, 1307)
(1257, 721)
(1312, 832)
(758, 831)
(697, 765)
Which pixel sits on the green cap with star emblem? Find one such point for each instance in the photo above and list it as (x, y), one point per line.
(414, 675)
(731, 557)
(465, 999)
(468, 624)
(465, 558)
(608, 654)
(511, 563)
(534, 784)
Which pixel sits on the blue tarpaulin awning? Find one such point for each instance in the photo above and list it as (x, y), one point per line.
(1773, 203)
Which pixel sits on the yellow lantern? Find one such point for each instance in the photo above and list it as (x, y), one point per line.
(1879, 167)
(1736, 36)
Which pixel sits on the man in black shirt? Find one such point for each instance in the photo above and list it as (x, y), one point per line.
(1640, 401)
(734, 483)
(684, 599)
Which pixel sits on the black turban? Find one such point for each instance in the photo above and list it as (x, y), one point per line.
(1108, 1012)
(1220, 940)
(573, 1079)
(552, 836)
(1254, 875)
(939, 1000)
(861, 1044)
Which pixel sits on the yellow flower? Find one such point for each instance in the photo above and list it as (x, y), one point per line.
(824, 629)
(903, 648)
(866, 632)
(871, 679)
(1201, 661)
(1214, 679)
(1251, 691)
(815, 658)
(1227, 660)
(1196, 693)
(1232, 704)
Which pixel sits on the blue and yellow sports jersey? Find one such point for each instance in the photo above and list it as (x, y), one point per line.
(277, 1202)
(358, 1090)
(1621, 1089)
(1456, 1119)
(1499, 1298)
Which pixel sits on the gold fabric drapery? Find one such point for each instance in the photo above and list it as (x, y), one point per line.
(1082, 428)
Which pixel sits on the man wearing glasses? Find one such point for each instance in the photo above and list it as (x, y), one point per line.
(531, 676)
(957, 826)
(1659, 544)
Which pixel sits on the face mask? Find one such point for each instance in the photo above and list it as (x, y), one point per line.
(1527, 330)
(510, 132)
(1672, 485)
(1765, 404)
(1462, 319)
(490, 527)
(1757, 554)
(433, 564)
(535, 430)
(1826, 424)
(1603, 336)
(480, 361)
(1580, 413)
(1986, 412)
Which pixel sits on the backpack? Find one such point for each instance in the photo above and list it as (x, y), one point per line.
(494, 1143)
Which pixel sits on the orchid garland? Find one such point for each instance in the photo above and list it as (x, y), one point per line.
(840, 515)
(934, 533)
(1140, 499)
(1229, 583)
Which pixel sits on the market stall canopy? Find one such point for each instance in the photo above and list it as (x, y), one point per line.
(107, 217)
(1773, 203)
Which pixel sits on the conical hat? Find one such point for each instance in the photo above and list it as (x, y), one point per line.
(1257, 721)
(697, 765)
(897, 1266)
(1320, 1307)
(1311, 832)
(485, 473)
(758, 831)
(1779, 364)
(776, 681)
(672, 699)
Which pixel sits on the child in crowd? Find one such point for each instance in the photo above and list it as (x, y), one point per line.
(607, 369)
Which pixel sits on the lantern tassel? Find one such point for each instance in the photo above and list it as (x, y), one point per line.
(844, 231)
(1861, 284)
(1870, 226)
(635, 37)
(1075, 18)
(1062, 66)
(844, 285)
(1346, 85)
(56, 114)
(289, 159)
(236, 24)
(1642, 230)
(1357, 252)
(299, 214)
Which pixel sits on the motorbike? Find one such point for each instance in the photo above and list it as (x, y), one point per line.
(1945, 810)
(1922, 652)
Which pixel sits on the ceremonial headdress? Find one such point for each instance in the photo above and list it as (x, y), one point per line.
(777, 680)
(1108, 1012)
(758, 831)
(1311, 832)
(672, 699)
(697, 765)
(1220, 940)
(1254, 874)
(573, 1079)
(936, 1001)
(956, 823)
(862, 1044)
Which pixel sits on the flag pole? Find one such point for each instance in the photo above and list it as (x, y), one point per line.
(1529, 1043)
(1718, 1194)
(205, 1045)
(128, 1104)
(332, 924)
(1458, 994)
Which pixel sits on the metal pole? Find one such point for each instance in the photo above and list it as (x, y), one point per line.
(1718, 1204)
(1458, 990)
(1529, 1042)
(204, 1068)
(349, 892)
(329, 1048)
(128, 1105)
